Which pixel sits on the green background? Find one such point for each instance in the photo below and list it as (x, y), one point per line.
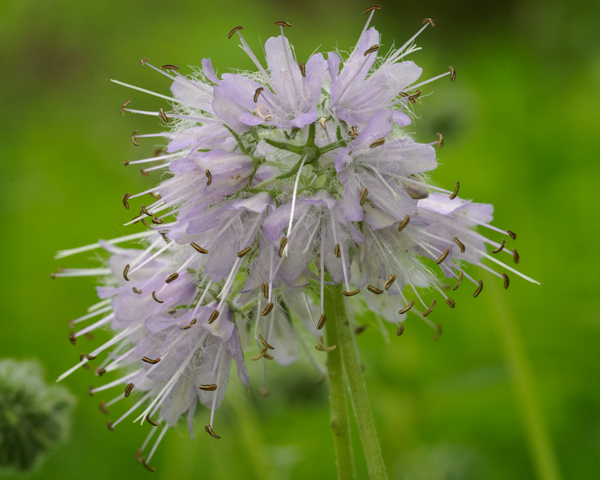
(521, 126)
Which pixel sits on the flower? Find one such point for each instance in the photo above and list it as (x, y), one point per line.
(282, 181)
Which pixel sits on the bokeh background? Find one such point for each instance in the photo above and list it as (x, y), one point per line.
(522, 128)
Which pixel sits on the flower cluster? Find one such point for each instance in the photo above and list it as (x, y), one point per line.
(281, 182)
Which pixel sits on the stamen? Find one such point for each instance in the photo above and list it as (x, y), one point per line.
(294, 194)
(455, 192)
(407, 308)
(265, 290)
(452, 74)
(430, 21)
(123, 107)
(198, 248)
(479, 289)
(268, 309)
(128, 390)
(516, 256)
(404, 223)
(282, 245)
(209, 430)
(265, 343)
(257, 94)
(151, 361)
(363, 196)
(390, 281)
(156, 299)
(281, 23)
(208, 388)
(351, 294)
(242, 253)
(125, 272)
(133, 139)
(235, 29)
(170, 99)
(374, 290)
(451, 302)
(428, 311)
(443, 256)
(379, 142)
(460, 277)
(102, 408)
(143, 61)
(506, 280)
(151, 422)
(337, 250)
(322, 123)
(440, 142)
(500, 248)
(374, 48)
(374, 7)
(302, 67)
(169, 67)
(322, 320)
(438, 327)
(260, 355)
(213, 316)
(161, 114)
(400, 330)
(512, 235)
(172, 278)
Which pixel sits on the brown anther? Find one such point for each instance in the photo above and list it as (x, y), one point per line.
(125, 198)
(452, 74)
(257, 94)
(172, 277)
(428, 311)
(72, 338)
(265, 343)
(516, 256)
(90, 357)
(268, 118)
(322, 123)
(143, 61)
(151, 422)
(135, 290)
(99, 371)
(337, 251)
(374, 290)
(363, 196)
(150, 360)
(242, 253)
(102, 408)
(267, 310)
(138, 455)
(134, 140)
(460, 277)
(460, 244)
(438, 327)
(374, 7)
(235, 29)
(360, 329)
(209, 176)
(267, 356)
(389, 282)
(506, 280)
(198, 248)
(512, 235)
(53, 276)
(379, 142)
(90, 391)
(321, 321)
(374, 48)
(156, 299)
(157, 221)
(260, 355)
(89, 336)
(414, 96)
(123, 106)
(455, 192)
(144, 211)
(208, 388)
(148, 467)
(353, 132)
(302, 67)
(209, 430)
(161, 114)
(352, 293)
(110, 425)
(265, 290)
(400, 330)
(128, 389)
(500, 248)
(213, 316)
(443, 256)
(440, 142)
(479, 288)
(187, 327)
(164, 236)
(451, 302)
(282, 245)
(70, 324)
(156, 195)
(407, 308)
(169, 67)
(322, 348)
(430, 21)
(404, 223)
(282, 23)
(144, 172)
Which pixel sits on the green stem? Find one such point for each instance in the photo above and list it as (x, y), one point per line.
(340, 419)
(520, 370)
(336, 313)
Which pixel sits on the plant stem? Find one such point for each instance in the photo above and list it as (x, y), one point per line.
(336, 313)
(339, 420)
(520, 371)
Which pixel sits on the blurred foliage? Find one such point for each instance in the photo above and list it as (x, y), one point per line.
(520, 126)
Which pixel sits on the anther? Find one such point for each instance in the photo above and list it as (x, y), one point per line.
(374, 7)
(460, 277)
(169, 67)
(363, 196)
(352, 293)
(440, 142)
(143, 61)
(144, 172)
(126, 162)
(161, 114)
(282, 245)
(414, 96)
(268, 118)
(209, 176)
(337, 251)
(198, 248)
(213, 316)
(400, 330)
(381, 141)
(390, 281)
(516, 256)
(265, 290)
(148, 467)
(267, 310)
(460, 244)
(443, 256)
(322, 348)
(243, 253)
(138, 455)
(257, 94)
(451, 302)
(404, 223)
(208, 388)
(125, 198)
(156, 299)
(407, 308)
(506, 280)
(102, 408)
(125, 272)
(90, 391)
(321, 321)
(302, 67)
(156, 195)
(438, 327)
(265, 343)
(99, 371)
(135, 290)
(260, 355)
(428, 311)
(267, 356)
(512, 235)
(322, 123)
(157, 221)
(455, 192)
(430, 21)
(110, 425)
(134, 140)
(374, 48)
(452, 74)
(151, 422)
(235, 29)
(209, 430)
(282, 23)
(144, 211)
(500, 248)
(187, 327)
(128, 389)
(479, 289)
(172, 277)
(374, 290)
(90, 357)
(123, 107)
(150, 360)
